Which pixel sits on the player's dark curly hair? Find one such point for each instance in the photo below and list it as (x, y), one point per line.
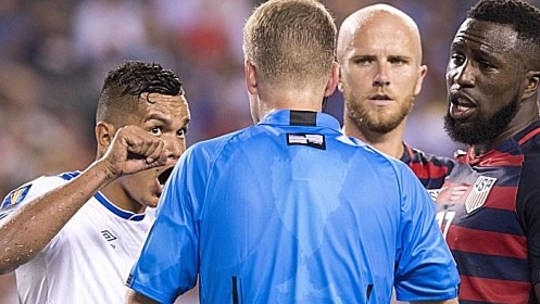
(523, 17)
(129, 80)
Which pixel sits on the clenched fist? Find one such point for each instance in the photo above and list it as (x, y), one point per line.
(132, 150)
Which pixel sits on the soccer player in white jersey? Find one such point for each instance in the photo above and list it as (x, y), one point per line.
(73, 238)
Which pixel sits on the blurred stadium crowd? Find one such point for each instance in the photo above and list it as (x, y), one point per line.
(54, 55)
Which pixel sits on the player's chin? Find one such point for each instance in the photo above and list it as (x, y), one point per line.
(153, 200)
(152, 203)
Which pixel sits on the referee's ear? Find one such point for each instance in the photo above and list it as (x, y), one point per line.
(104, 135)
(333, 80)
(251, 77)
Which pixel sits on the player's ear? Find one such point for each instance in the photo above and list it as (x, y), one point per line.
(532, 82)
(251, 77)
(333, 80)
(422, 71)
(104, 135)
(340, 83)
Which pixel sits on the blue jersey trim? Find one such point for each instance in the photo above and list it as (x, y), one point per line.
(105, 202)
(121, 213)
(70, 175)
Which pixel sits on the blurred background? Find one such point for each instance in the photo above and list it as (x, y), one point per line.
(55, 54)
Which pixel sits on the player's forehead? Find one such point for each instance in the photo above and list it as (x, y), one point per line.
(374, 33)
(162, 106)
(382, 31)
(486, 36)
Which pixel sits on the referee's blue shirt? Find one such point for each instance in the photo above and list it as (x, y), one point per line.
(293, 211)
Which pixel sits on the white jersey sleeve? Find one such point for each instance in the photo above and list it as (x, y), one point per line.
(28, 192)
(89, 260)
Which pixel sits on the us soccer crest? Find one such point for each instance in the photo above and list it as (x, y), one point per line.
(479, 193)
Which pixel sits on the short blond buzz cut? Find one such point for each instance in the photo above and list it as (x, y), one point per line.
(291, 42)
(360, 18)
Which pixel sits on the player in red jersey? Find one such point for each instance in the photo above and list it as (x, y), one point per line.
(489, 206)
(380, 54)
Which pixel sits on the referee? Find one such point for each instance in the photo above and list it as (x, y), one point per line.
(290, 210)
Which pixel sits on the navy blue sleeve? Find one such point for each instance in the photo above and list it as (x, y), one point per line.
(528, 210)
(431, 170)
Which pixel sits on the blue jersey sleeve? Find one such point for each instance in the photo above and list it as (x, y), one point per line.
(168, 264)
(425, 269)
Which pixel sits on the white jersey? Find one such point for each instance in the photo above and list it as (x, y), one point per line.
(89, 260)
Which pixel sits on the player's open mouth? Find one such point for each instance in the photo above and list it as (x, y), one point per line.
(380, 100)
(461, 106)
(164, 176)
